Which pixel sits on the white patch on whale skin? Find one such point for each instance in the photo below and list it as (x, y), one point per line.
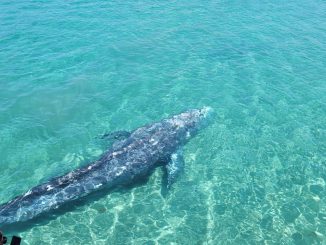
(98, 185)
(120, 171)
(179, 123)
(116, 153)
(188, 135)
(174, 156)
(28, 193)
(153, 141)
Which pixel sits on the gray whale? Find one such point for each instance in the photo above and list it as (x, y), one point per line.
(134, 156)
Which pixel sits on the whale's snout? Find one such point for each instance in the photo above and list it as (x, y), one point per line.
(205, 116)
(206, 111)
(193, 119)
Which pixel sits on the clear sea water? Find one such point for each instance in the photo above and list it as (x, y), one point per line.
(73, 70)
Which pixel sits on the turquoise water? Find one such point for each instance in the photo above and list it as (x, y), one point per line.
(73, 70)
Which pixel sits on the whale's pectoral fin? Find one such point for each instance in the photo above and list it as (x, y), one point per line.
(174, 168)
(117, 135)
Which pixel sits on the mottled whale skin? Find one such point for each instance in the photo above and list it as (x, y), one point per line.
(127, 160)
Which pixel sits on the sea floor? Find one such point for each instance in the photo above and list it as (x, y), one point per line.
(73, 70)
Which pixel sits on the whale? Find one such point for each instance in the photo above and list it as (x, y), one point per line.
(133, 156)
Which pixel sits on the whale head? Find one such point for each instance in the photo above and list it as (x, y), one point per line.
(189, 122)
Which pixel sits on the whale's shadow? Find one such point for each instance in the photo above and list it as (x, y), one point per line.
(71, 206)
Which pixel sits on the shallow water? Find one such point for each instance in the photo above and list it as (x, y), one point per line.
(73, 70)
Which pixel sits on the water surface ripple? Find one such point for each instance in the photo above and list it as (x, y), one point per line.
(72, 70)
